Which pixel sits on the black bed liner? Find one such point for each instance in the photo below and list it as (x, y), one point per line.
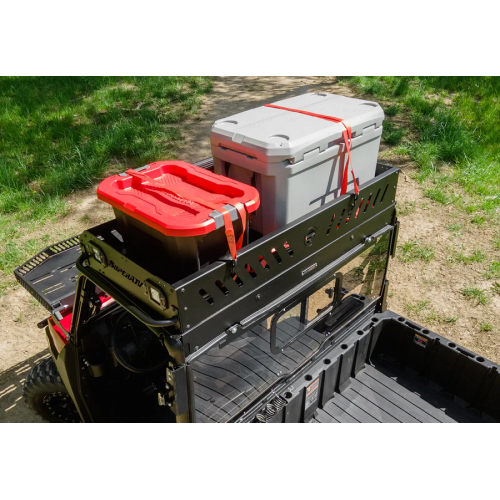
(227, 380)
(383, 394)
(382, 369)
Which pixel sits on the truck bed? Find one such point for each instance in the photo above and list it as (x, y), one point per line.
(228, 379)
(383, 394)
(384, 369)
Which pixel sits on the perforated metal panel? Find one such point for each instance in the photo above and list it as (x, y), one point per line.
(50, 276)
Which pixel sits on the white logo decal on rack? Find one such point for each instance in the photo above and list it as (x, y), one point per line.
(310, 268)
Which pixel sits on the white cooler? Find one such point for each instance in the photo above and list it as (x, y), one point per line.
(296, 161)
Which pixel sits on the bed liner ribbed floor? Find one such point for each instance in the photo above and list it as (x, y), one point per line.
(382, 394)
(226, 380)
(393, 385)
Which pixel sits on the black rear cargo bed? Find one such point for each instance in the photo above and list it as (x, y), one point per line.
(383, 369)
(227, 380)
(384, 394)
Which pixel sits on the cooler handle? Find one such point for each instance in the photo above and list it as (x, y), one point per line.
(234, 245)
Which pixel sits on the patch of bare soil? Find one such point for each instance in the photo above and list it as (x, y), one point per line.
(432, 293)
(429, 293)
(233, 95)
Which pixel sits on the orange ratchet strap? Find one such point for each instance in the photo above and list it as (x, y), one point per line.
(347, 138)
(234, 245)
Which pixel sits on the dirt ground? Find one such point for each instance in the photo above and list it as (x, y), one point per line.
(428, 293)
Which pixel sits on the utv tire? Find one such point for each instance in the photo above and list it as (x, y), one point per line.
(45, 393)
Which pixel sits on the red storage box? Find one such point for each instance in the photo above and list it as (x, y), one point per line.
(179, 216)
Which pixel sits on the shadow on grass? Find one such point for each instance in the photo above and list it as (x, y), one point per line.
(30, 92)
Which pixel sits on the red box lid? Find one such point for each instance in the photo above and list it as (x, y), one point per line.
(168, 213)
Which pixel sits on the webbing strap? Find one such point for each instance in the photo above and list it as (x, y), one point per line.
(228, 223)
(347, 138)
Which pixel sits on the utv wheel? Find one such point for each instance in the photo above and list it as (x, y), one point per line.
(45, 393)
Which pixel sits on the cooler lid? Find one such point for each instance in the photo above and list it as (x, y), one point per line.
(278, 134)
(169, 213)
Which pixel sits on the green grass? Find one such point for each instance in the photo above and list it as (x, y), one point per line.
(493, 271)
(434, 316)
(455, 228)
(440, 195)
(15, 253)
(456, 125)
(59, 134)
(392, 110)
(417, 307)
(476, 295)
(496, 242)
(486, 327)
(392, 133)
(476, 256)
(478, 219)
(407, 209)
(413, 250)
